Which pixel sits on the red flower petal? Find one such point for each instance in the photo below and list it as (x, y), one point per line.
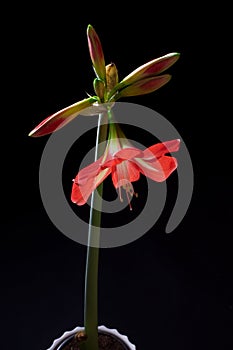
(154, 164)
(159, 149)
(81, 192)
(157, 170)
(126, 171)
(122, 154)
(89, 171)
(129, 153)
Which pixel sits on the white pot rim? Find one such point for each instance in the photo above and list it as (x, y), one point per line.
(112, 331)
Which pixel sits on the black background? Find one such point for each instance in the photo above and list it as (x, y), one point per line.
(162, 290)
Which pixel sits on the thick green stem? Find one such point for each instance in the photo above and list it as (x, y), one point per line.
(91, 278)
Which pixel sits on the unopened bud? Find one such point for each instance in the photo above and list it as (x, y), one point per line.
(111, 76)
(96, 52)
(99, 88)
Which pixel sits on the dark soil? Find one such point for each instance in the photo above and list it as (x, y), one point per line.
(106, 342)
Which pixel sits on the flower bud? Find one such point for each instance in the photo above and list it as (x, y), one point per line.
(61, 118)
(152, 68)
(111, 76)
(144, 86)
(99, 88)
(96, 52)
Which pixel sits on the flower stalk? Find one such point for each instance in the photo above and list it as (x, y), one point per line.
(92, 260)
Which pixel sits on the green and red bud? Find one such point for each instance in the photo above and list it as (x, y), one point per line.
(96, 53)
(151, 68)
(61, 118)
(144, 86)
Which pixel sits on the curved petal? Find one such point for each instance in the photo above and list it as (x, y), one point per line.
(81, 192)
(159, 149)
(110, 162)
(144, 86)
(157, 170)
(120, 156)
(128, 153)
(61, 118)
(88, 172)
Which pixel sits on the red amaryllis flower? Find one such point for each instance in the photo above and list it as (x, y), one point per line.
(125, 163)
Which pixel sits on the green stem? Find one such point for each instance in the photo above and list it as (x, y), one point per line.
(91, 278)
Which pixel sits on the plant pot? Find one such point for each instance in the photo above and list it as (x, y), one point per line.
(109, 339)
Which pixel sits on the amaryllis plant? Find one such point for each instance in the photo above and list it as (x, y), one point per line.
(119, 158)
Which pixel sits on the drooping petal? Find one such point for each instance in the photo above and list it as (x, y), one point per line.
(155, 164)
(134, 172)
(96, 53)
(125, 171)
(157, 170)
(159, 149)
(90, 171)
(61, 118)
(81, 191)
(152, 68)
(144, 86)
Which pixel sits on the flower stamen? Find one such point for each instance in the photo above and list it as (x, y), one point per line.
(128, 187)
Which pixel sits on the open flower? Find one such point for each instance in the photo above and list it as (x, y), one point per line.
(125, 163)
(143, 80)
